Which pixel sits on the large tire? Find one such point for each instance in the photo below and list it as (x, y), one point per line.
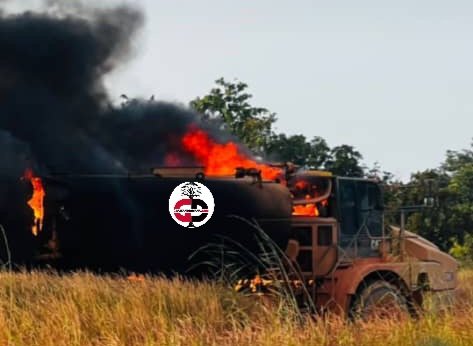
(379, 299)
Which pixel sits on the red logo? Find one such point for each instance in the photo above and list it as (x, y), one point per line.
(191, 204)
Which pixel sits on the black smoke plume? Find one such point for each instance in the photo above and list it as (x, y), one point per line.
(55, 114)
(57, 119)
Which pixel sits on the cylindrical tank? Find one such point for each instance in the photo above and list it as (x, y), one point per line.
(124, 222)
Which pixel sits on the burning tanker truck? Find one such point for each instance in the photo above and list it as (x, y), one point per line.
(56, 118)
(330, 229)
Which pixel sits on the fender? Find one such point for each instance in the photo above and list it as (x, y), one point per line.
(343, 285)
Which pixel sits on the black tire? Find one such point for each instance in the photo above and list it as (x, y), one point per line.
(379, 299)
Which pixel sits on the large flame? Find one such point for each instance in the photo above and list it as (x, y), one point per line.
(36, 202)
(222, 159)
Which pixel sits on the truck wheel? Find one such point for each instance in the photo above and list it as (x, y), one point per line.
(379, 299)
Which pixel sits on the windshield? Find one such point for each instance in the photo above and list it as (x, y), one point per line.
(306, 188)
(310, 195)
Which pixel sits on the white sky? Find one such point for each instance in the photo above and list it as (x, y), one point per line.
(392, 78)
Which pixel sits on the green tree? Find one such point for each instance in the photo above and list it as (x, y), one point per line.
(450, 220)
(460, 188)
(298, 150)
(320, 153)
(431, 222)
(455, 160)
(458, 168)
(345, 161)
(229, 102)
(377, 173)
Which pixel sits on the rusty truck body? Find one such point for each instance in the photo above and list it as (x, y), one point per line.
(346, 255)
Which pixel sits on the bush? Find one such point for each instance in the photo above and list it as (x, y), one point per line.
(463, 252)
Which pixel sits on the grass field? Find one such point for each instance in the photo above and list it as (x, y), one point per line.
(83, 309)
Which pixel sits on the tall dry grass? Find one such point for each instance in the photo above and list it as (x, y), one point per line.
(84, 309)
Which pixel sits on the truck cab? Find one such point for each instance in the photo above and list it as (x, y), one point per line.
(341, 246)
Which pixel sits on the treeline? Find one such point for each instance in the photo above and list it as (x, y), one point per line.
(229, 102)
(449, 220)
(443, 195)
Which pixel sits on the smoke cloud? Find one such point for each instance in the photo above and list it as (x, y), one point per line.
(55, 114)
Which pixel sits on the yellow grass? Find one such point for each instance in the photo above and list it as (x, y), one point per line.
(83, 309)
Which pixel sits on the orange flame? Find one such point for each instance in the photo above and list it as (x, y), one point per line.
(36, 202)
(222, 159)
(309, 209)
(305, 210)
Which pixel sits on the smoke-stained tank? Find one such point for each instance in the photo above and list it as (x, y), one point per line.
(124, 222)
